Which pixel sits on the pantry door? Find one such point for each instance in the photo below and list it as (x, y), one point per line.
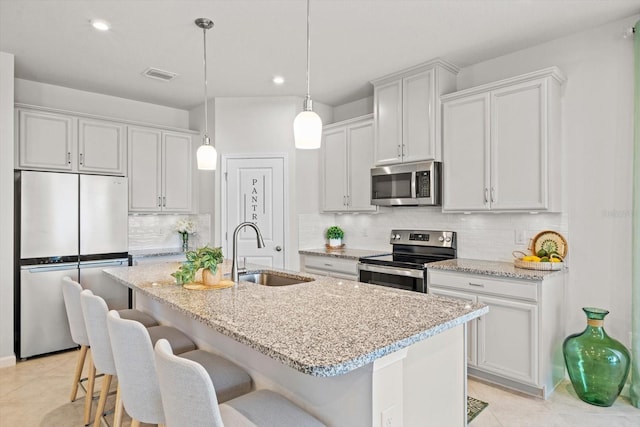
(254, 191)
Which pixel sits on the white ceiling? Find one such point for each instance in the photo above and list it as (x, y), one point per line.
(352, 41)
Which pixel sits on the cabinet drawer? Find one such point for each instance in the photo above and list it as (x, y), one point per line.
(331, 264)
(513, 288)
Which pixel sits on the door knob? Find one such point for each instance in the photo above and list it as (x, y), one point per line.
(278, 248)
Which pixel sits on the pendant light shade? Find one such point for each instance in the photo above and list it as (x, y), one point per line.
(307, 130)
(207, 156)
(307, 126)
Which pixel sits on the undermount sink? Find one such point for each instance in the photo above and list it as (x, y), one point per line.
(273, 279)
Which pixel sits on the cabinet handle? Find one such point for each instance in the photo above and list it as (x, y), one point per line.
(399, 151)
(402, 152)
(164, 201)
(81, 159)
(68, 158)
(159, 201)
(328, 265)
(344, 200)
(348, 200)
(486, 195)
(493, 194)
(478, 285)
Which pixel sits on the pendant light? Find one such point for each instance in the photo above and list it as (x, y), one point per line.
(307, 126)
(207, 155)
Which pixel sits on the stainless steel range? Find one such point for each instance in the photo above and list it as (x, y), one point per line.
(406, 267)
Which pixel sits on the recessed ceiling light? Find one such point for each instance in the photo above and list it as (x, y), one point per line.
(100, 24)
(278, 80)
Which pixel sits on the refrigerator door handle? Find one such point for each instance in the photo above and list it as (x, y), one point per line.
(49, 267)
(106, 263)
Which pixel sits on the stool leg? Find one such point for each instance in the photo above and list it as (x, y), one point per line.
(88, 398)
(106, 383)
(135, 423)
(76, 376)
(117, 416)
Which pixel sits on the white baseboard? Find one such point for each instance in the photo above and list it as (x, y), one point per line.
(7, 361)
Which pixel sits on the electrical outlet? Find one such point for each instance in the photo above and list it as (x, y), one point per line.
(390, 417)
(520, 237)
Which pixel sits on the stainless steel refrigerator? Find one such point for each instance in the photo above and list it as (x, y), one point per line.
(66, 225)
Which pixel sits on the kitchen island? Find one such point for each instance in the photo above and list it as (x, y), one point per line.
(350, 353)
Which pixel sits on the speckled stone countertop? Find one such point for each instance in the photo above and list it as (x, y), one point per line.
(324, 328)
(491, 268)
(345, 253)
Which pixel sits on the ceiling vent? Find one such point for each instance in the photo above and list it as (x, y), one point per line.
(157, 74)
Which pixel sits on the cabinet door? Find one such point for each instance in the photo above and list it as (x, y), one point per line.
(101, 147)
(360, 156)
(519, 147)
(466, 154)
(176, 178)
(144, 154)
(388, 122)
(418, 133)
(508, 339)
(45, 141)
(472, 356)
(335, 170)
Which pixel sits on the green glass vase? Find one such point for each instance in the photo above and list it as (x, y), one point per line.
(598, 365)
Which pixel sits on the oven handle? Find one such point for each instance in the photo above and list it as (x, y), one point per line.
(418, 274)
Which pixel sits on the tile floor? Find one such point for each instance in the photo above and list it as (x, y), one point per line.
(35, 393)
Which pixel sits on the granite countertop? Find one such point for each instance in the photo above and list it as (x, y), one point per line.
(345, 253)
(324, 328)
(491, 268)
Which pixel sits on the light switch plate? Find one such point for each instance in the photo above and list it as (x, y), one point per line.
(520, 237)
(390, 417)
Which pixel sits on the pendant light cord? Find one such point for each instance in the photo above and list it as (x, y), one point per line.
(206, 126)
(308, 50)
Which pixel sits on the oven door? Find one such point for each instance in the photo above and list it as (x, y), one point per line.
(393, 277)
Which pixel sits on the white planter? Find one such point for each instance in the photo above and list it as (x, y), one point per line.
(334, 243)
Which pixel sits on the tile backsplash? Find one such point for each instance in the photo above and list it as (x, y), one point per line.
(487, 236)
(158, 231)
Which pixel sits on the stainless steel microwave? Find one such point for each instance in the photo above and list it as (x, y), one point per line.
(406, 184)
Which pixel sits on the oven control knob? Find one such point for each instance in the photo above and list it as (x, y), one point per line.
(448, 240)
(440, 239)
(396, 236)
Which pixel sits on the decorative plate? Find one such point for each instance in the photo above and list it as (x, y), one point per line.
(550, 241)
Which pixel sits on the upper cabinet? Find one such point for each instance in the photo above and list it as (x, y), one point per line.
(501, 145)
(407, 112)
(159, 170)
(61, 142)
(347, 161)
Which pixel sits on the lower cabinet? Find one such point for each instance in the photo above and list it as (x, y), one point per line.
(518, 344)
(340, 268)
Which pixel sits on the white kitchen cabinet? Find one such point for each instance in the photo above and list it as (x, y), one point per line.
(347, 161)
(407, 112)
(159, 170)
(518, 344)
(340, 268)
(472, 327)
(60, 142)
(102, 147)
(501, 145)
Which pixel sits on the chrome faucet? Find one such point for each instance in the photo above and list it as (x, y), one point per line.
(234, 265)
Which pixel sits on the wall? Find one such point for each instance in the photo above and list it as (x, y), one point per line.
(150, 232)
(7, 357)
(353, 109)
(597, 130)
(46, 95)
(265, 125)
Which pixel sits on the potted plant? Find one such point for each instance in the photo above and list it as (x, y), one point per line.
(335, 235)
(205, 258)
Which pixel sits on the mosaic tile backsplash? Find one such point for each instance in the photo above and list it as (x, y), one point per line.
(158, 231)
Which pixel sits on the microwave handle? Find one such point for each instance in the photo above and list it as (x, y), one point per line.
(414, 184)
